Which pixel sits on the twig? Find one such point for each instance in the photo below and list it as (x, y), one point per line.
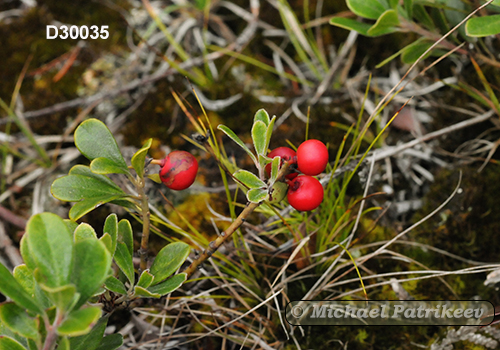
(143, 251)
(214, 245)
(9, 216)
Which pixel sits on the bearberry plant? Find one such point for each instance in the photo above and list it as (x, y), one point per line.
(69, 274)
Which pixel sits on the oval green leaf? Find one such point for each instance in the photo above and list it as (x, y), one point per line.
(25, 277)
(169, 285)
(7, 343)
(111, 228)
(269, 131)
(91, 340)
(108, 243)
(257, 195)
(88, 191)
(51, 246)
(387, 23)
(104, 166)
(79, 322)
(168, 260)
(261, 115)
(123, 259)
(126, 235)
(351, 24)
(371, 9)
(275, 168)
(139, 158)
(248, 179)
(145, 279)
(12, 289)
(109, 342)
(94, 140)
(259, 130)
(18, 321)
(74, 188)
(143, 292)
(64, 298)
(483, 26)
(115, 285)
(84, 231)
(412, 52)
(92, 262)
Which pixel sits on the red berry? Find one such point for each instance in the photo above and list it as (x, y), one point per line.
(178, 170)
(285, 153)
(312, 157)
(305, 193)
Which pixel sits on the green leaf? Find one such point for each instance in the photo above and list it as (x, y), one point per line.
(17, 319)
(155, 178)
(79, 322)
(51, 246)
(94, 140)
(351, 24)
(108, 243)
(275, 165)
(93, 339)
(109, 342)
(261, 115)
(236, 139)
(412, 52)
(41, 297)
(7, 343)
(257, 195)
(278, 192)
(85, 171)
(25, 277)
(104, 166)
(371, 9)
(393, 4)
(72, 225)
(145, 279)
(123, 259)
(111, 227)
(143, 292)
(259, 130)
(169, 285)
(26, 253)
(125, 235)
(64, 297)
(386, 23)
(88, 191)
(115, 285)
(12, 289)
(92, 262)
(139, 158)
(422, 16)
(168, 260)
(79, 209)
(248, 179)
(84, 231)
(269, 132)
(483, 26)
(408, 5)
(63, 344)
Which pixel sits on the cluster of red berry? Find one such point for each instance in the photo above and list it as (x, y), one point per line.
(179, 168)
(305, 192)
